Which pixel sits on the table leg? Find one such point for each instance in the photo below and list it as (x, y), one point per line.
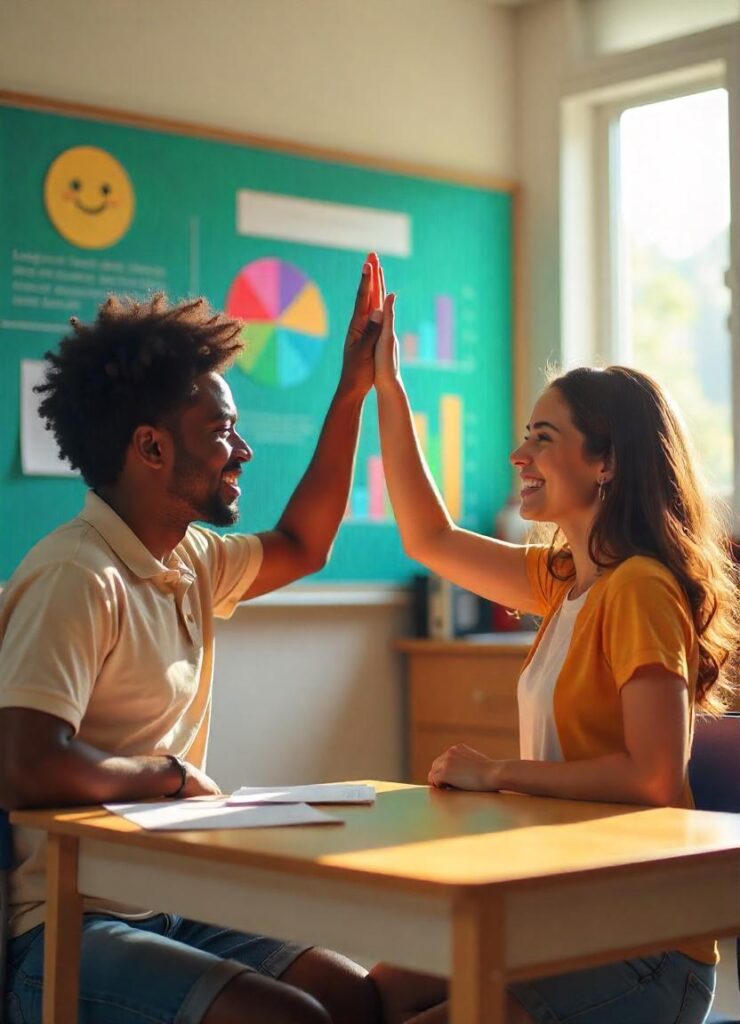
(478, 983)
(62, 932)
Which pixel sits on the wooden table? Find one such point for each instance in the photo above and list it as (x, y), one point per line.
(485, 888)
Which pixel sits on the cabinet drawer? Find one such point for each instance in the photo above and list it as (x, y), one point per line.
(426, 744)
(470, 691)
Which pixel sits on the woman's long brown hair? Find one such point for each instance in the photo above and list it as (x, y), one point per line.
(656, 506)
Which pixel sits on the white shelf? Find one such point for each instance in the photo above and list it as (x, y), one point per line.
(514, 638)
(332, 596)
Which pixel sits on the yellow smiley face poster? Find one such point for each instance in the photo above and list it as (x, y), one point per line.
(88, 197)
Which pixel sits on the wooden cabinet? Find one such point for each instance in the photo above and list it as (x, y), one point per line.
(462, 691)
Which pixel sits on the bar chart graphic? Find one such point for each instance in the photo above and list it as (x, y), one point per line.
(443, 450)
(434, 341)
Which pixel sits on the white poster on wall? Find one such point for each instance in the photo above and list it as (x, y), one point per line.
(39, 453)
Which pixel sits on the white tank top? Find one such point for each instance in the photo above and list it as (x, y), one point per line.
(538, 734)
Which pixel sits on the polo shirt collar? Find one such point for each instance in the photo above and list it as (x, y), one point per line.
(127, 546)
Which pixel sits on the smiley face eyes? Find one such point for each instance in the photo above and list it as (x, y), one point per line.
(76, 185)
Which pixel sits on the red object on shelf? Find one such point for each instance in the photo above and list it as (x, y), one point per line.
(503, 620)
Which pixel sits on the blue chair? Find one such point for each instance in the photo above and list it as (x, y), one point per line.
(6, 862)
(714, 775)
(714, 768)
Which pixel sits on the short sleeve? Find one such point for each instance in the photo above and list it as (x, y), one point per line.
(546, 588)
(57, 628)
(647, 622)
(233, 563)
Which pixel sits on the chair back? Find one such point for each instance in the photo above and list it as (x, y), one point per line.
(714, 767)
(6, 862)
(714, 775)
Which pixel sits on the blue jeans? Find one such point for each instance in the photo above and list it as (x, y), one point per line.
(669, 988)
(162, 969)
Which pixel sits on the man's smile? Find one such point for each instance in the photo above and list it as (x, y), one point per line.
(231, 480)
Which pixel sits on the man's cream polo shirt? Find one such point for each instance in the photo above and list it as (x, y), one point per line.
(95, 630)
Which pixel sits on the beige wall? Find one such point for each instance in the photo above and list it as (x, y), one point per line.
(542, 48)
(422, 80)
(302, 692)
(312, 693)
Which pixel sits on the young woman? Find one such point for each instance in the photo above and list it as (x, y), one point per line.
(638, 600)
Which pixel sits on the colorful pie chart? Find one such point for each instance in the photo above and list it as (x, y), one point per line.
(285, 322)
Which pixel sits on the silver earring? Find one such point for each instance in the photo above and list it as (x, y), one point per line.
(602, 489)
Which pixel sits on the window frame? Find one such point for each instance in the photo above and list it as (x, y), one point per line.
(594, 95)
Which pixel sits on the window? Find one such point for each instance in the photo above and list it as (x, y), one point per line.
(668, 258)
(647, 251)
(649, 176)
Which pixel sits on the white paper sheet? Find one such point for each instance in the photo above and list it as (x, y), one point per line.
(321, 793)
(179, 815)
(39, 452)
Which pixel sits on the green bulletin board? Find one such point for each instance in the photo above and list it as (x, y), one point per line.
(182, 236)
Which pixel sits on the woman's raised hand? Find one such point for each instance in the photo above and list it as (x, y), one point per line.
(387, 368)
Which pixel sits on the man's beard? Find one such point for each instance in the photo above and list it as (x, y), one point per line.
(187, 487)
(216, 512)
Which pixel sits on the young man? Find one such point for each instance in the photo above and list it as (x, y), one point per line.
(106, 646)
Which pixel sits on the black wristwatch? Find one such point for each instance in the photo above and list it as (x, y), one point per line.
(183, 770)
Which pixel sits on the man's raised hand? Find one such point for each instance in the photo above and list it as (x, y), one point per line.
(358, 368)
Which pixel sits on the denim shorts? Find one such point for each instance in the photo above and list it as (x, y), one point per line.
(160, 969)
(669, 988)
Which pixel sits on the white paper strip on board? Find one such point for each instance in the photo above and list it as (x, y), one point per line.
(336, 225)
(39, 452)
